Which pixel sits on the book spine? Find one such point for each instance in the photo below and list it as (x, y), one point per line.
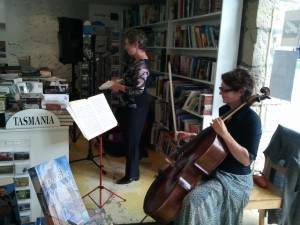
(40, 195)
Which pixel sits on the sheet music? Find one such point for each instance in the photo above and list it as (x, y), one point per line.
(93, 116)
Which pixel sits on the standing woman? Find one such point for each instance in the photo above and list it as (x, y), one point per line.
(133, 99)
(221, 197)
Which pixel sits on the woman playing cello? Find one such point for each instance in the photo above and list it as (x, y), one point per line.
(220, 197)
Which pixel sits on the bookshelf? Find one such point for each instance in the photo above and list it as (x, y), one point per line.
(115, 65)
(95, 65)
(179, 24)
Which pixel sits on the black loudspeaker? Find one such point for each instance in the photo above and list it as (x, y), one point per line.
(70, 38)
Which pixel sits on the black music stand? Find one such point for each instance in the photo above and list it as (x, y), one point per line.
(91, 157)
(92, 91)
(101, 187)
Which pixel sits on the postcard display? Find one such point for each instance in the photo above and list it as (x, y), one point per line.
(31, 137)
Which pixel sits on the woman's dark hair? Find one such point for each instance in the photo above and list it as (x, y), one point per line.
(237, 79)
(136, 36)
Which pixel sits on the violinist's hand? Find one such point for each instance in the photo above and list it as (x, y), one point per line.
(219, 126)
(185, 136)
(117, 87)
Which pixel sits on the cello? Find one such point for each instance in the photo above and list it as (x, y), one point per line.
(200, 156)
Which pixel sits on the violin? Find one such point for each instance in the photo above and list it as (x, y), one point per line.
(200, 156)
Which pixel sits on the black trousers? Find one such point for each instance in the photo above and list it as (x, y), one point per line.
(132, 122)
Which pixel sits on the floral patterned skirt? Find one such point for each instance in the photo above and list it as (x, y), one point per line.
(219, 200)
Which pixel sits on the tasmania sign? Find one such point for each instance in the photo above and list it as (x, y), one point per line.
(32, 118)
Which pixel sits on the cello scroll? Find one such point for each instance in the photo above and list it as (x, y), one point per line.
(258, 98)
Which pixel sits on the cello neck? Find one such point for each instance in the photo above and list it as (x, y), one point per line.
(227, 115)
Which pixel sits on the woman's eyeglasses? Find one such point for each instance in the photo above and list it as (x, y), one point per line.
(225, 90)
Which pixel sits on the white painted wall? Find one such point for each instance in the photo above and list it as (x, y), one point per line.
(2, 11)
(103, 13)
(31, 30)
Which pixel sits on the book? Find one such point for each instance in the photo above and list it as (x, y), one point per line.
(213, 72)
(185, 65)
(193, 104)
(205, 104)
(58, 193)
(40, 221)
(9, 209)
(93, 115)
(108, 84)
(215, 33)
(187, 124)
(167, 144)
(192, 95)
(198, 37)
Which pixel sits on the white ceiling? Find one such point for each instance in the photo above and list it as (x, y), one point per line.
(117, 2)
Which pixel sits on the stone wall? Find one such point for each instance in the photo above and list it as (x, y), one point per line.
(32, 27)
(261, 30)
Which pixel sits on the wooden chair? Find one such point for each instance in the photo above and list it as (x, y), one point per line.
(269, 197)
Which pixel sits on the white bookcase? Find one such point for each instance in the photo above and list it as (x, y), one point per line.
(229, 22)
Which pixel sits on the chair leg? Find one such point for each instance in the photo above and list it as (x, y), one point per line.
(262, 215)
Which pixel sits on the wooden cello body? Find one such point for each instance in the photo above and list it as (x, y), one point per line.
(202, 155)
(163, 199)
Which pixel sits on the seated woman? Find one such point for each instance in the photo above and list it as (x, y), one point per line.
(220, 197)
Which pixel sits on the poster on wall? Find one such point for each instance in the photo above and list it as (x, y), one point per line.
(283, 76)
(291, 29)
(2, 49)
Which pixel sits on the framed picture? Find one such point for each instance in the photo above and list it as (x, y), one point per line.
(7, 169)
(21, 181)
(6, 156)
(23, 194)
(2, 49)
(21, 155)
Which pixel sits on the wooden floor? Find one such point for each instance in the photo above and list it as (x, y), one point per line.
(87, 177)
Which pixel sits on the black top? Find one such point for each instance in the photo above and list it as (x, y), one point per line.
(245, 127)
(136, 81)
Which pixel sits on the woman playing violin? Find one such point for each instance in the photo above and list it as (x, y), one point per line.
(220, 197)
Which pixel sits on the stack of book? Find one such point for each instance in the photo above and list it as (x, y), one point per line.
(203, 36)
(167, 145)
(64, 117)
(188, 122)
(31, 100)
(205, 104)
(200, 68)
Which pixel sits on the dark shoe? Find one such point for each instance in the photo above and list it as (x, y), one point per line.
(126, 180)
(144, 154)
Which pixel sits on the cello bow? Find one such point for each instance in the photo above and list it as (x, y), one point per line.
(172, 101)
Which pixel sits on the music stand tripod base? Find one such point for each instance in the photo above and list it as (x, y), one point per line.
(101, 187)
(90, 157)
